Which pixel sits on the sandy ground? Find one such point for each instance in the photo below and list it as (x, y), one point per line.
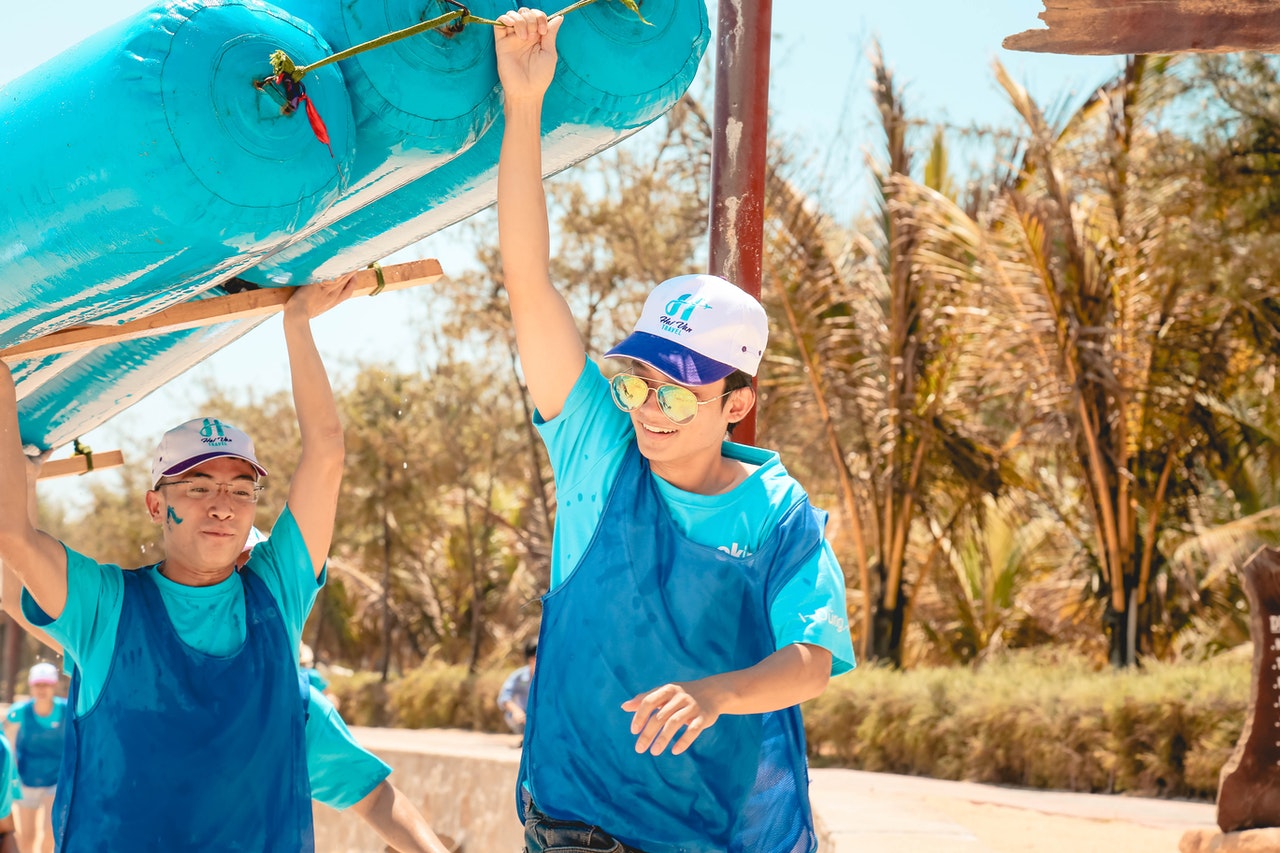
(1012, 830)
(882, 813)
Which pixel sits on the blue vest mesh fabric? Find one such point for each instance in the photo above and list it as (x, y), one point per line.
(647, 606)
(184, 750)
(39, 750)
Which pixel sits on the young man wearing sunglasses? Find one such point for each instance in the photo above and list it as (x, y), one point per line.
(692, 598)
(187, 719)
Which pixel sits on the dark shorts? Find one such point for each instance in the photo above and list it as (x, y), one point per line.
(543, 834)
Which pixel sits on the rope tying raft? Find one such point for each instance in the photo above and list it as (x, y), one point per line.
(285, 82)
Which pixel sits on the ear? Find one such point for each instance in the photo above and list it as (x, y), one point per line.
(741, 401)
(153, 507)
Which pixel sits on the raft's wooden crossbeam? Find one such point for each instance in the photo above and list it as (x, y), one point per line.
(208, 312)
(79, 464)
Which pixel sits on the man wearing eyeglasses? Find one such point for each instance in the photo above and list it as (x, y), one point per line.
(187, 724)
(693, 596)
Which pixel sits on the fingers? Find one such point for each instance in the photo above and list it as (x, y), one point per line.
(658, 716)
(553, 27)
(524, 24)
(346, 286)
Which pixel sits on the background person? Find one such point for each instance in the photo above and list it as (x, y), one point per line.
(35, 727)
(10, 792)
(513, 698)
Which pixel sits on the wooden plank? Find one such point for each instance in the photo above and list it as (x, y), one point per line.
(80, 465)
(207, 312)
(1118, 27)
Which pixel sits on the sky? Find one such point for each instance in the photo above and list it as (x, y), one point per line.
(940, 51)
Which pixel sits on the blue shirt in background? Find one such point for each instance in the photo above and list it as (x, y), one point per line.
(10, 788)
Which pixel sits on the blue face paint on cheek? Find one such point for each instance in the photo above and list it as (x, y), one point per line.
(173, 517)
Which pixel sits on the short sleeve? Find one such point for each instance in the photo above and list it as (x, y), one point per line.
(811, 609)
(86, 628)
(342, 773)
(284, 565)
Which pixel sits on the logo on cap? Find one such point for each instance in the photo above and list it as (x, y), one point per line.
(679, 312)
(212, 434)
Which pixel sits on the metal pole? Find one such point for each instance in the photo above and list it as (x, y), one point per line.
(738, 151)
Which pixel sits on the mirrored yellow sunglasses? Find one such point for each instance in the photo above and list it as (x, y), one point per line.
(678, 403)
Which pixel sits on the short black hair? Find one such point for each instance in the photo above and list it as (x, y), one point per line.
(530, 649)
(732, 382)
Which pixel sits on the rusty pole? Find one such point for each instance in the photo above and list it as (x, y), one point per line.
(738, 151)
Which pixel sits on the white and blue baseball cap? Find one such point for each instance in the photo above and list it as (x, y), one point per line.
(698, 329)
(199, 440)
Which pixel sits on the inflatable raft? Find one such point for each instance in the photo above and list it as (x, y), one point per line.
(144, 169)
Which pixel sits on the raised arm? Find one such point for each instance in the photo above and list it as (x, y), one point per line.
(10, 586)
(551, 350)
(37, 558)
(313, 491)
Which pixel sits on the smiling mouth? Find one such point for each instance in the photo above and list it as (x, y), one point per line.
(655, 430)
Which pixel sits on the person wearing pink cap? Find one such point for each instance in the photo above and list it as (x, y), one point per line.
(694, 602)
(186, 715)
(35, 727)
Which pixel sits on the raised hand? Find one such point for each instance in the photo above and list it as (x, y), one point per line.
(312, 300)
(526, 49)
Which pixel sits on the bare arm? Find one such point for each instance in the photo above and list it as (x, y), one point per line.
(551, 350)
(11, 599)
(37, 558)
(10, 586)
(390, 814)
(313, 491)
(787, 677)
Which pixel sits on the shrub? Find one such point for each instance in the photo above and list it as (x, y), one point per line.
(1037, 719)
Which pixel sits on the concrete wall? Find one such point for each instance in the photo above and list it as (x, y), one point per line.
(463, 782)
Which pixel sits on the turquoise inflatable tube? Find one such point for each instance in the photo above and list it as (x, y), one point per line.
(615, 76)
(417, 102)
(142, 166)
(66, 396)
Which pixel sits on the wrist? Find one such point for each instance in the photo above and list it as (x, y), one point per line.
(522, 107)
(714, 694)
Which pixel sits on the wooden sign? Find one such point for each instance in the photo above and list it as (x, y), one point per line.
(1119, 27)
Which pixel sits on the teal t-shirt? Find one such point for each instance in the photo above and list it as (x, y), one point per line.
(586, 443)
(210, 619)
(318, 681)
(10, 787)
(54, 718)
(342, 772)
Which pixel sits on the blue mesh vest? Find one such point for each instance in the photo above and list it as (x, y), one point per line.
(644, 607)
(39, 749)
(185, 750)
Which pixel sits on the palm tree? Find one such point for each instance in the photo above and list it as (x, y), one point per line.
(884, 350)
(1140, 335)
